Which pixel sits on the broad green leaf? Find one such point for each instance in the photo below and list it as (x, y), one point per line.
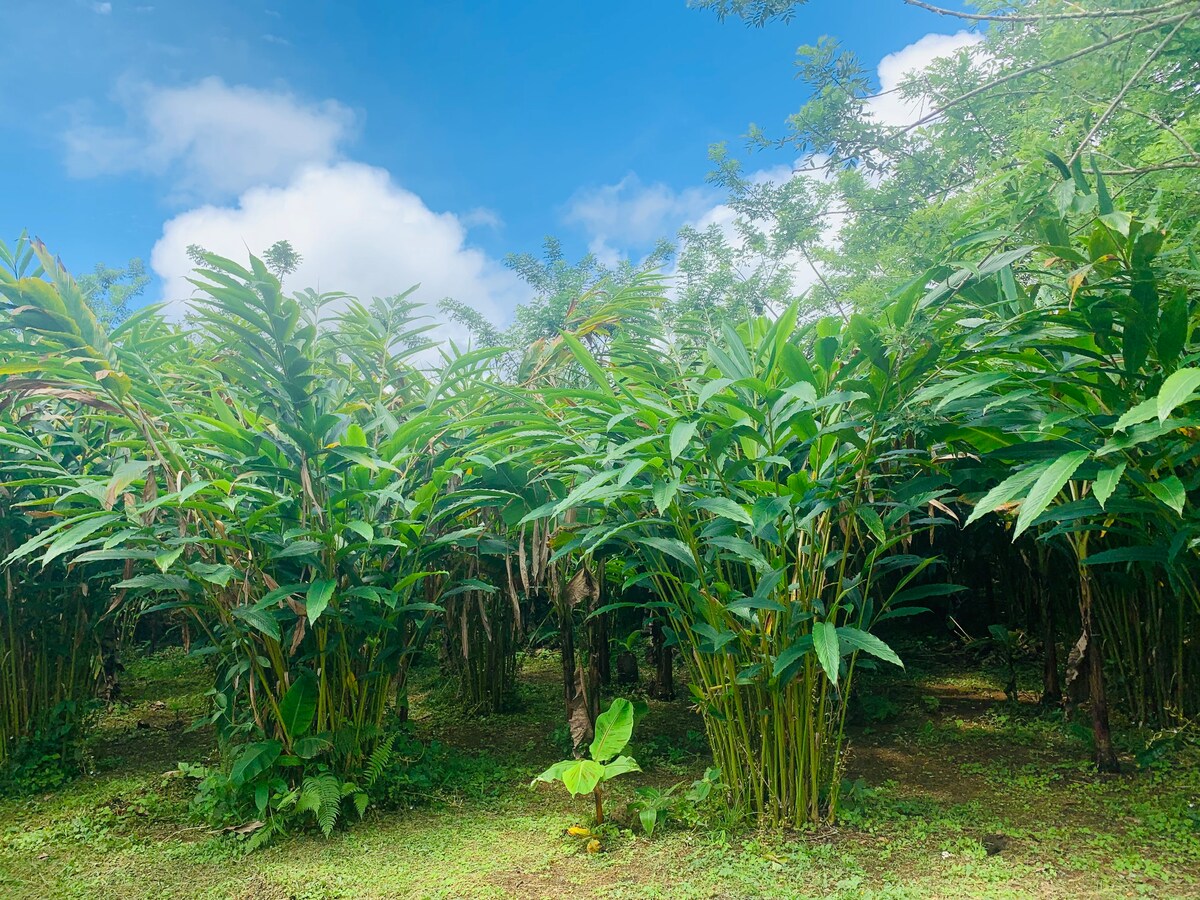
(584, 357)
(664, 492)
(1170, 491)
(620, 766)
(218, 574)
(649, 818)
(1106, 482)
(125, 475)
(788, 659)
(858, 639)
(316, 600)
(1176, 390)
(613, 728)
(582, 776)
(1046, 488)
(299, 706)
(68, 540)
(825, 643)
(1006, 491)
(1144, 411)
(259, 619)
(726, 508)
(554, 773)
(362, 529)
(874, 524)
(681, 434)
(166, 559)
(672, 547)
(254, 760)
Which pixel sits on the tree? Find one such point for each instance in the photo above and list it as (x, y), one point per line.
(110, 290)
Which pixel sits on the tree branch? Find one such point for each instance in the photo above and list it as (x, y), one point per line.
(1112, 107)
(1050, 64)
(1048, 17)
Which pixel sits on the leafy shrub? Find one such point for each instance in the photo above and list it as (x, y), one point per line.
(655, 807)
(584, 776)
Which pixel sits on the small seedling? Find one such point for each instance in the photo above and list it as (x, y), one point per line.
(584, 776)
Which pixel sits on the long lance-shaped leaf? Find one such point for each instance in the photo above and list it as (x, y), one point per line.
(1046, 488)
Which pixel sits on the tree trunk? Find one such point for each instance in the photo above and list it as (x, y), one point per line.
(1106, 756)
(664, 672)
(1051, 687)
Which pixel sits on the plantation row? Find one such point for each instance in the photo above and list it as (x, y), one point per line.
(291, 486)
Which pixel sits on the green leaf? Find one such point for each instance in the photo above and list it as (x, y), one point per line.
(362, 529)
(1046, 488)
(1106, 482)
(316, 600)
(725, 508)
(259, 619)
(299, 706)
(1173, 328)
(156, 582)
(582, 776)
(613, 729)
(218, 574)
(681, 435)
(857, 639)
(672, 547)
(1006, 491)
(1145, 410)
(165, 560)
(620, 766)
(874, 524)
(648, 818)
(254, 760)
(554, 773)
(790, 656)
(585, 359)
(311, 746)
(1170, 491)
(664, 492)
(126, 474)
(825, 643)
(1176, 390)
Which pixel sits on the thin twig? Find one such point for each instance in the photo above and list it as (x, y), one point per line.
(1048, 17)
(1050, 64)
(1112, 107)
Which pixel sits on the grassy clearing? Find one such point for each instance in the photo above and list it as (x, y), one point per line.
(960, 795)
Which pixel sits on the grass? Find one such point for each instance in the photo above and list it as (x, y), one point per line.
(957, 795)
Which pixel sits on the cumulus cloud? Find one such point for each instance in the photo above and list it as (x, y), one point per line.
(631, 213)
(358, 232)
(213, 140)
(889, 107)
(627, 216)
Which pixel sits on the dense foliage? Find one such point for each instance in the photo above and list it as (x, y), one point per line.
(312, 494)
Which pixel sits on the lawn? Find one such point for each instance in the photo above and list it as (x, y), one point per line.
(952, 792)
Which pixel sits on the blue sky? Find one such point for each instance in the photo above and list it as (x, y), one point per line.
(393, 142)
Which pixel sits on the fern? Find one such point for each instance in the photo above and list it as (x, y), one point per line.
(379, 760)
(330, 788)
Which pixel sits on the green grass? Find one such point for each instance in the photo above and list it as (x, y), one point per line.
(940, 783)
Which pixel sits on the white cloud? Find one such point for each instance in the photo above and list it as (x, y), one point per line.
(101, 9)
(358, 232)
(212, 139)
(631, 213)
(889, 107)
